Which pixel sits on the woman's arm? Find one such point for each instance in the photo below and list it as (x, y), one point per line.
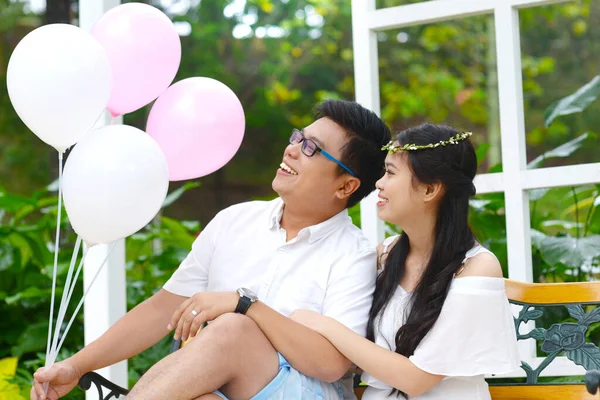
(389, 367)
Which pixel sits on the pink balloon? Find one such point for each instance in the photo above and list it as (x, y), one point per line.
(144, 51)
(199, 123)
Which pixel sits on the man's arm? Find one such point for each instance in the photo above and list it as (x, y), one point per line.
(348, 300)
(139, 329)
(147, 323)
(136, 331)
(305, 350)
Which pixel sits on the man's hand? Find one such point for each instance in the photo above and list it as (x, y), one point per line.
(200, 308)
(62, 376)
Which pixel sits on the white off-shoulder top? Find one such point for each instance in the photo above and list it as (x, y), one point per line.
(473, 336)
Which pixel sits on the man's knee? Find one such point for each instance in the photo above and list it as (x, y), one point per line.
(230, 327)
(233, 322)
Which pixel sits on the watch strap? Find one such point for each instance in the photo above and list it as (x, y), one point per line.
(243, 305)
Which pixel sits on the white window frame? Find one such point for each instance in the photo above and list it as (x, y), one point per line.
(516, 179)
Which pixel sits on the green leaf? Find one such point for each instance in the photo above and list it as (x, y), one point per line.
(538, 333)
(175, 230)
(537, 194)
(580, 205)
(479, 205)
(576, 311)
(481, 152)
(566, 225)
(31, 245)
(577, 102)
(532, 314)
(32, 339)
(537, 238)
(177, 193)
(562, 151)
(570, 251)
(7, 256)
(12, 202)
(495, 168)
(591, 317)
(193, 226)
(588, 356)
(8, 366)
(30, 292)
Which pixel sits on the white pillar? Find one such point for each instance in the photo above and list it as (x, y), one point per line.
(514, 157)
(366, 78)
(106, 302)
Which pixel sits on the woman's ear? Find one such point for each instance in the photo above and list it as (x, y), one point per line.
(432, 191)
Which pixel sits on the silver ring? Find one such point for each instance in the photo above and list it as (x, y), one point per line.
(194, 312)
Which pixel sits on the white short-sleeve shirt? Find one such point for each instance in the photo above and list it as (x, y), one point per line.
(329, 268)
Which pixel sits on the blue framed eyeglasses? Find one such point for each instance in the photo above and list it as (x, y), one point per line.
(309, 148)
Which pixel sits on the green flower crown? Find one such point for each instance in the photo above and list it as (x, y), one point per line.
(391, 148)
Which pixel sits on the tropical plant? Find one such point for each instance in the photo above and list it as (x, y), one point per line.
(27, 228)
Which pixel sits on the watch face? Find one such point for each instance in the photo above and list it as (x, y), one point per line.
(247, 293)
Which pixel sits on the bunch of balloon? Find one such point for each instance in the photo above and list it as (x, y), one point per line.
(61, 80)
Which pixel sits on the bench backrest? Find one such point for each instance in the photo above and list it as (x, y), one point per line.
(541, 392)
(565, 337)
(530, 392)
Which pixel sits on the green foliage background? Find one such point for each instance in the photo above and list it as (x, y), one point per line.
(282, 57)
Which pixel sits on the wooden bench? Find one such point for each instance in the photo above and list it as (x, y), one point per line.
(570, 336)
(535, 299)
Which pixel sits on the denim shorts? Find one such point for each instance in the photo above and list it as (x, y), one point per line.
(290, 384)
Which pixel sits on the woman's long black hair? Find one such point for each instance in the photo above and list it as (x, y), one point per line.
(454, 166)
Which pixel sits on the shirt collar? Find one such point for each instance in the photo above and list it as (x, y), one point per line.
(276, 213)
(315, 232)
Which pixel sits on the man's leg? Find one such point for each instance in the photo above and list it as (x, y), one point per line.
(231, 354)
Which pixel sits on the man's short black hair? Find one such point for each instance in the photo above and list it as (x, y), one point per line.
(367, 133)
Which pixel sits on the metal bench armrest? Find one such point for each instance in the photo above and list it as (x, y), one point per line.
(85, 383)
(114, 390)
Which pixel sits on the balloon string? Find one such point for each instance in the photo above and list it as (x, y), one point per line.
(56, 248)
(84, 296)
(75, 279)
(66, 296)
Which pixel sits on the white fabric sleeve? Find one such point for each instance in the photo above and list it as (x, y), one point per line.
(350, 291)
(474, 334)
(388, 241)
(192, 275)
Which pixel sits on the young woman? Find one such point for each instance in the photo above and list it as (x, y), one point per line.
(440, 319)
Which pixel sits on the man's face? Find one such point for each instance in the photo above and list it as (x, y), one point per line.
(312, 179)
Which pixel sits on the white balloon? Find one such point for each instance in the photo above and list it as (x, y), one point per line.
(115, 181)
(59, 83)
